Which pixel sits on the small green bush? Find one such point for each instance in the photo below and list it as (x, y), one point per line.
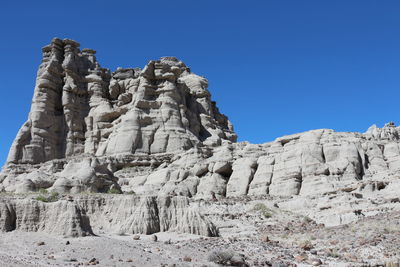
(226, 258)
(42, 198)
(221, 257)
(333, 254)
(266, 214)
(53, 197)
(43, 191)
(113, 191)
(263, 209)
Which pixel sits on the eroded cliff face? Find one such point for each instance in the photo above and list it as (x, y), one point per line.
(80, 108)
(96, 214)
(156, 133)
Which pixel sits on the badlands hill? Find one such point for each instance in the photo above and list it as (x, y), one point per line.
(141, 151)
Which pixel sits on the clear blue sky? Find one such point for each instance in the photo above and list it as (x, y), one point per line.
(274, 67)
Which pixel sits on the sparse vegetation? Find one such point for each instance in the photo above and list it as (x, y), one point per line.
(43, 191)
(222, 257)
(226, 258)
(263, 209)
(390, 229)
(333, 254)
(113, 191)
(53, 197)
(42, 198)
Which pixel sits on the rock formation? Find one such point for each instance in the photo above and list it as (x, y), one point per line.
(80, 216)
(79, 108)
(156, 133)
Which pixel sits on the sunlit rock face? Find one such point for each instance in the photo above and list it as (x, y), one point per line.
(80, 108)
(155, 132)
(86, 214)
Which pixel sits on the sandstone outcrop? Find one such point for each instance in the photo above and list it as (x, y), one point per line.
(88, 215)
(154, 132)
(80, 108)
(60, 218)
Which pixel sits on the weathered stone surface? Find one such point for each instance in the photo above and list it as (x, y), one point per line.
(154, 132)
(262, 178)
(80, 108)
(309, 166)
(242, 175)
(59, 218)
(114, 214)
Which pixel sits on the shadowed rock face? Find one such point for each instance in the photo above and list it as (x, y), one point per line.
(80, 108)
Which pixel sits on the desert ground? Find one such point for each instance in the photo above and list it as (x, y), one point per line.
(262, 236)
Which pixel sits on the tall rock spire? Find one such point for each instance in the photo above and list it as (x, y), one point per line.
(80, 108)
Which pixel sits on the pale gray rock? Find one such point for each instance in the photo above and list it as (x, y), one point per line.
(199, 169)
(155, 133)
(242, 175)
(263, 176)
(80, 108)
(389, 132)
(223, 167)
(117, 214)
(212, 186)
(59, 218)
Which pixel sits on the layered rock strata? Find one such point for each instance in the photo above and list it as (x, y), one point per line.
(88, 215)
(309, 163)
(80, 108)
(155, 132)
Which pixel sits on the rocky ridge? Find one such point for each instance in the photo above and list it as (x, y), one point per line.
(155, 133)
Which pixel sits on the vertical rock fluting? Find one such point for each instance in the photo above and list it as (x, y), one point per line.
(56, 127)
(60, 218)
(80, 108)
(112, 214)
(111, 130)
(156, 133)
